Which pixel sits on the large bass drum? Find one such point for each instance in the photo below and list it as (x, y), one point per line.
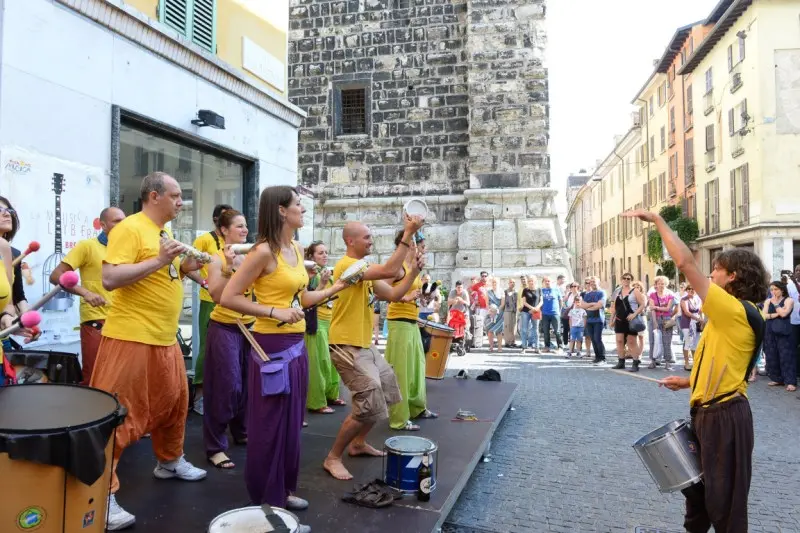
(56, 448)
(439, 351)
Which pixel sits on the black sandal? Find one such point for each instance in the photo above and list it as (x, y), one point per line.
(225, 464)
(373, 495)
(427, 414)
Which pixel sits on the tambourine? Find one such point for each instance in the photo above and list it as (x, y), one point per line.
(355, 272)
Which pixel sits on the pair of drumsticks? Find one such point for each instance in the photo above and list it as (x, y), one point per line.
(253, 343)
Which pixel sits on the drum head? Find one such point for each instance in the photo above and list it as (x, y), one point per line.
(355, 271)
(52, 407)
(407, 444)
(440, 327)
(250, 520)
(416, 207)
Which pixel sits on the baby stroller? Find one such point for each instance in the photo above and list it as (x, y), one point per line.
(458, 322)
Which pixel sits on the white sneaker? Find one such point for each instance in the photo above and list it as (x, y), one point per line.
(181, 469)
(198, 406)
(118, 518)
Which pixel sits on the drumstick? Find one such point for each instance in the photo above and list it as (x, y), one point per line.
(29, 319)
(253, 343)
(708, 382)
(634, 375)
(342, 353)
(721, 375)
(32, 247)
(67, 281)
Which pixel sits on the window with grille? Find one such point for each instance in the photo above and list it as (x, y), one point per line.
(353, 112)
(403, 4)
(194, 19)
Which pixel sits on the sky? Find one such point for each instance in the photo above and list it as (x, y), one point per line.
(599, 55)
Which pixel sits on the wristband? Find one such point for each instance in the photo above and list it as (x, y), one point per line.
(270, 312)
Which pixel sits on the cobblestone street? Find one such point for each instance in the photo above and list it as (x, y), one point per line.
(562, 460)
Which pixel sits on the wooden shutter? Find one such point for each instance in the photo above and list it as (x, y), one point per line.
(746, 194)
(733, 199)
(731, 122)
(203, 24)
(744, 112)
(715, 226)
(730, 58)
(175, 14)
(709, 137)
(708, 207)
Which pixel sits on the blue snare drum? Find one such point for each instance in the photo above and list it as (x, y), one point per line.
(403, 459)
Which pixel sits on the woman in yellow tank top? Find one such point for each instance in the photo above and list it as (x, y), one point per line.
(276, 389)
(226, 350)
(404, 351)
(323, 379)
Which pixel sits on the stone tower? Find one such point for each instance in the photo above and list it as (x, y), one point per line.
(446, 100)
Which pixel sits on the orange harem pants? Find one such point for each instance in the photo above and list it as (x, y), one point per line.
(151, 384)
(91, 335)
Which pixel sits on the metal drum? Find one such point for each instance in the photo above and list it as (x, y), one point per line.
(56, 449)
(403, 459)
(670, 454)
(38, 366)
(439, 351)
(254, 519)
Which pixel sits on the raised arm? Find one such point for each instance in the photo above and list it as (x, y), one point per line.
(389, 269)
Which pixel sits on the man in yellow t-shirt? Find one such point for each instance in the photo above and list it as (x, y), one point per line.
(87, 258)
(365, 373)
(210, 242)
(139, 359)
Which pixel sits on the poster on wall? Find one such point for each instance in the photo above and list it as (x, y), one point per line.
(305, 235)
(58, 203)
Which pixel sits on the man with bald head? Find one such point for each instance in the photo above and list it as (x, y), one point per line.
(370, 379)
(87, 258)
(139, 359)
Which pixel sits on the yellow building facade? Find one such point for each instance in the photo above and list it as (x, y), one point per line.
(747, 133)
(249, 35)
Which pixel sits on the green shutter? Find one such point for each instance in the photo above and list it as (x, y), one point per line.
(194, 19)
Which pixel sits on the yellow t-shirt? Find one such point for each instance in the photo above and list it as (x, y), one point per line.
(408, 310)
(224, 315)
(87, 257)
(146, 311)
(726, 339)
(5, 298)
(282, 289)
(206, 243)
(325, 311)
(352, 313)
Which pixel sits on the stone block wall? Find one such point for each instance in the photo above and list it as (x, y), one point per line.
(414, 62)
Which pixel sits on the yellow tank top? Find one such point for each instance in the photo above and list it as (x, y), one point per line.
(282, 289)
(223, 315)
(408, 310)
(325, 311)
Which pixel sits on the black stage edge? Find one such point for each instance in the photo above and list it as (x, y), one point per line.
(176, 506)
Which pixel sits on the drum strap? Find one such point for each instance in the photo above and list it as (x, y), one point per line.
(277, 523)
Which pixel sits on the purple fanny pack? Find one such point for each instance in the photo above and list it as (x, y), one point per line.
(275, 372)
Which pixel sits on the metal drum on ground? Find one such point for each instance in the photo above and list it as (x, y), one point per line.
(403, 459)
(670, 454)
(439, 351)
(64, 492)
(254, 520)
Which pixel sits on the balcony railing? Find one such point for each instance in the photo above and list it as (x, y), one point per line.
(708, 103)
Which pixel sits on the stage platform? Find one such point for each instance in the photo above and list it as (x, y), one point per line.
(177, 507)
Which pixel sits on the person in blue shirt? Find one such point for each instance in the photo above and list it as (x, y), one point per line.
(594, 302)
(551, 308)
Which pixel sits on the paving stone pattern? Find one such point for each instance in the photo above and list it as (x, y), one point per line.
(562, 460)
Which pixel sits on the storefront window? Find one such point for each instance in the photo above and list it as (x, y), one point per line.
(206, 180)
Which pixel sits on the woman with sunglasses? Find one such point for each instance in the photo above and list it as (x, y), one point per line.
(323, 379)
(626, 305)
(275, 269)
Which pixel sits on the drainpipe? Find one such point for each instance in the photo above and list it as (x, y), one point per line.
(646, 229)
(624, 252)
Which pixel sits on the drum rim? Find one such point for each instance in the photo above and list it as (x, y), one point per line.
(254, 507)
(682, 423)
(416, 200)
(407, 453)
(52, 431)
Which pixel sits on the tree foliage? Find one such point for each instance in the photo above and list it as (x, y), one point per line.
(686, 228)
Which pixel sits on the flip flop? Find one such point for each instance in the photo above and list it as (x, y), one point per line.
(374, 495)
(337, 401)
(225, 464)
(323, 411)
(427, 414)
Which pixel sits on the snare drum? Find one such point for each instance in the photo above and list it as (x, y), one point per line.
(63, 492)
(670, 454)
(251, 519)
(439, 351)
(403, 459)
(37, 366)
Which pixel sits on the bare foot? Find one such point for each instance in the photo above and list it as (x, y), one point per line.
(336, 468)
(364, 449)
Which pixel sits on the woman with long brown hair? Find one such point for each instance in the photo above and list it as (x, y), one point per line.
(323, 379)
(227, 350)
(277, 387)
